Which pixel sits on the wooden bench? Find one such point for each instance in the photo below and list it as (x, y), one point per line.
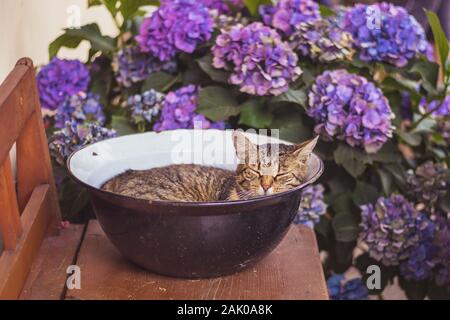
(37, 254)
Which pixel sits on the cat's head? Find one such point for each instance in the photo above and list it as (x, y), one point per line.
(270, 168)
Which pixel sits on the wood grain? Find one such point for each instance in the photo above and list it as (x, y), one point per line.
(47, 278)
(8, 208)
(292, 271)
(15, 265)
(21, 122)
(14, 112)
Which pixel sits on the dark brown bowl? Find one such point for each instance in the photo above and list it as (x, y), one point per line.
(182, 239)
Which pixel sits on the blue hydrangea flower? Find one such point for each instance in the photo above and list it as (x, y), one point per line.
(286, 15)
(178, 25)
(59, 79)
(178, 112)
(419, 266)
(341, 289)
(145, 106)
(350, 108)
(260, 63)
(74, 136)
(386, 33)
(312, 206)
(81, 107)
(133, 66)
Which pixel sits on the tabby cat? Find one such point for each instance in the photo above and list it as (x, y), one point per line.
(262, 170)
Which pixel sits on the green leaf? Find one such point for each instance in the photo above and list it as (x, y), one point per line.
(428, 71)
(217, 75)
(129, 8)
(122, 125)
(72, 38)
(413, 139)
(93, 3)
(217, 104)
(397, 172)
(386, 181)
(255, 114)
(364, 193)
(291, 126)
(326, 11)
(74, 199)
(63, 40)
(387, 154)
(299, 97)
(353, 160)
(323, 227)
(253, 6)
(100, 83)
(111, 5)
(159, 81)
(344, 223)
(345, 227)
(439, 36)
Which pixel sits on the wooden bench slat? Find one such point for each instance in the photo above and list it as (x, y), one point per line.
(9, 215)
(292, 271)
(47, 277)
(13, 91)
(15, 265)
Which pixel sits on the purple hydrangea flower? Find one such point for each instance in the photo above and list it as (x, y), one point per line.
(322, 40)
(134, 66)
(178, 112)
(442, 241)
(312, 206)
(428, 184)
(419, 266)
(260, 63)
(385, 32)
(437, 108)
(178, 25)
(59, 79)
(286, 15)
(145, 106)
(222, 6)
(350, 108)
(80, 107)
(341, 289)
(389, 228)
(74, 136)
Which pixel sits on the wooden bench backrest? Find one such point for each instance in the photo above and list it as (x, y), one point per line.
(30, 207)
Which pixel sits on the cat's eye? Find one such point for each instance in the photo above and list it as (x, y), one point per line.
(283, 176)
(250, 174)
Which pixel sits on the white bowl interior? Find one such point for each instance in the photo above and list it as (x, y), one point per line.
(99, 162)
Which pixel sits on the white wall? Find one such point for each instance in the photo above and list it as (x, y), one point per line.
(28, 26)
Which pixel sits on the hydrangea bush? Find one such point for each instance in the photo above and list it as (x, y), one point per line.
(365, 78)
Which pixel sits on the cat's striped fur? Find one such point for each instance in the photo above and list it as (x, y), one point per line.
(259, 173)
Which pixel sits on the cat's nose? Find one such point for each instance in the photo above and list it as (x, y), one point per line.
(265, 187)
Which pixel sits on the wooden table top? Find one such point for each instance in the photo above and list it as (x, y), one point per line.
(292, 271)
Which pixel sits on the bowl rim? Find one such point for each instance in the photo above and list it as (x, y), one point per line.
(178, 204)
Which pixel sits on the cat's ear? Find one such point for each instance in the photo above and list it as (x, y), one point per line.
(246, 151)
(303, 150)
